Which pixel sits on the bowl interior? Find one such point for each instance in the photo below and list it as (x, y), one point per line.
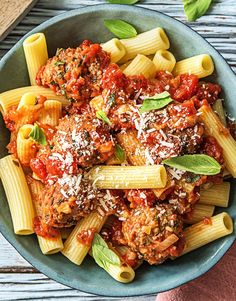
(69, 30)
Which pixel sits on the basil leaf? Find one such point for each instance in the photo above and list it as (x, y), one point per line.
(102, 254)
(156, 102)
(198, 164)
(194, 9)
(121, 29)
(119, 153)
(59, 63)
(122, 1)
(38, 135)
(102, 115)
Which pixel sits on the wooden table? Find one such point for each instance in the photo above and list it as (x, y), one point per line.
(18, 279)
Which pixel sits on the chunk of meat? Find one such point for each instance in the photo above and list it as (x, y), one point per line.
(147, 228)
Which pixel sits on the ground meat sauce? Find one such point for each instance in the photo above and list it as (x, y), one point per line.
(148, 224)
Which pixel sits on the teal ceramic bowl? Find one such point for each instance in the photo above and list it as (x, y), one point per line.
(70, 29)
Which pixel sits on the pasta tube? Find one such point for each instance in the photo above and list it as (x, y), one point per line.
(48, 246)
(217, 195)
(222, 135)
(51, 112)
(201, 234)
(145, 43)
(36, 54)
(27, 99)
(25, 145)
(123, 273)
(141, 65)
(12, 97)
(200, 211)
(115, 48)
(164, 60)
(18, 195)
(200, 65)
(128, 177)
(218, 108)
(73, 249)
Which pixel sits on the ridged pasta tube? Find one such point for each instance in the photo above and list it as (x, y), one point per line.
(25, 145)
(128, 177)
(141, 65)
(201, 234)
(145, 43)
(200, 65)
(73, 249)
(218, 108)
(164, 60)
(200, 211)
(217, 195)
(36, 54)
(215, 128)
(12, 97)
(51, 112)
(115, 48)
(18, 195)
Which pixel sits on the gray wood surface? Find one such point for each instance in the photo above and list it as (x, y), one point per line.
(18, 279)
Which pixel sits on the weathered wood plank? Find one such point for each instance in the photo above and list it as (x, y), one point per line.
(39, 287)
(11, 14)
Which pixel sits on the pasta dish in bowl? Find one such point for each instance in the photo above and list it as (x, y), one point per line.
(121, 152)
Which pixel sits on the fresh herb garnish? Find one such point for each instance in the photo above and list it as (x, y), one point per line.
(38, 135)
(197, 164)
(119, 153)
(102, 254)
(120, 28)
(156, 102)
(122, 1)
(102, 115)
(194, 9)
(59, 63)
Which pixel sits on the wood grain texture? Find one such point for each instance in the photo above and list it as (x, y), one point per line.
(12, 11)
(18, 279)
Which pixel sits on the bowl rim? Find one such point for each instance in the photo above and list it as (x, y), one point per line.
(26, 254)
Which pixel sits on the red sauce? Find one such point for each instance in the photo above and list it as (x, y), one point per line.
(39, 168)
(85, 237)
(213, 149)
(44, 230)
(207, 221)
(208, 91)
(144, 197)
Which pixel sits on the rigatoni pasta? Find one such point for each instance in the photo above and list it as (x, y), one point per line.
(114, 154)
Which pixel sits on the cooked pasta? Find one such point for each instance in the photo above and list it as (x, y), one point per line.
(51, 112)
(26, 149)
(73, 249)
(145, 43)
(164, 60)
(18, 195)
(200, 65)
(115, 48)
(114, 155)
(217, 195)
(216, 129)
(12, 97)
(199, 212)
(36, 54)
(141, 65)
(128, 177)
(201, 233)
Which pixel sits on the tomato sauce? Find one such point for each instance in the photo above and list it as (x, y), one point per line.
(45, 230)
(85, 237)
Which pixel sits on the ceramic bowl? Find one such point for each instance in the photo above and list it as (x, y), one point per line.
(70, 29)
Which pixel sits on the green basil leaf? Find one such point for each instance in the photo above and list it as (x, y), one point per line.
(102, 254)
(102, 115)
(98, 240)
(59, 63)
(38, 135)
(198, 164)
(121, 29)
(119, 153)
(194, 9)
(122, 1)
(156, 102)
